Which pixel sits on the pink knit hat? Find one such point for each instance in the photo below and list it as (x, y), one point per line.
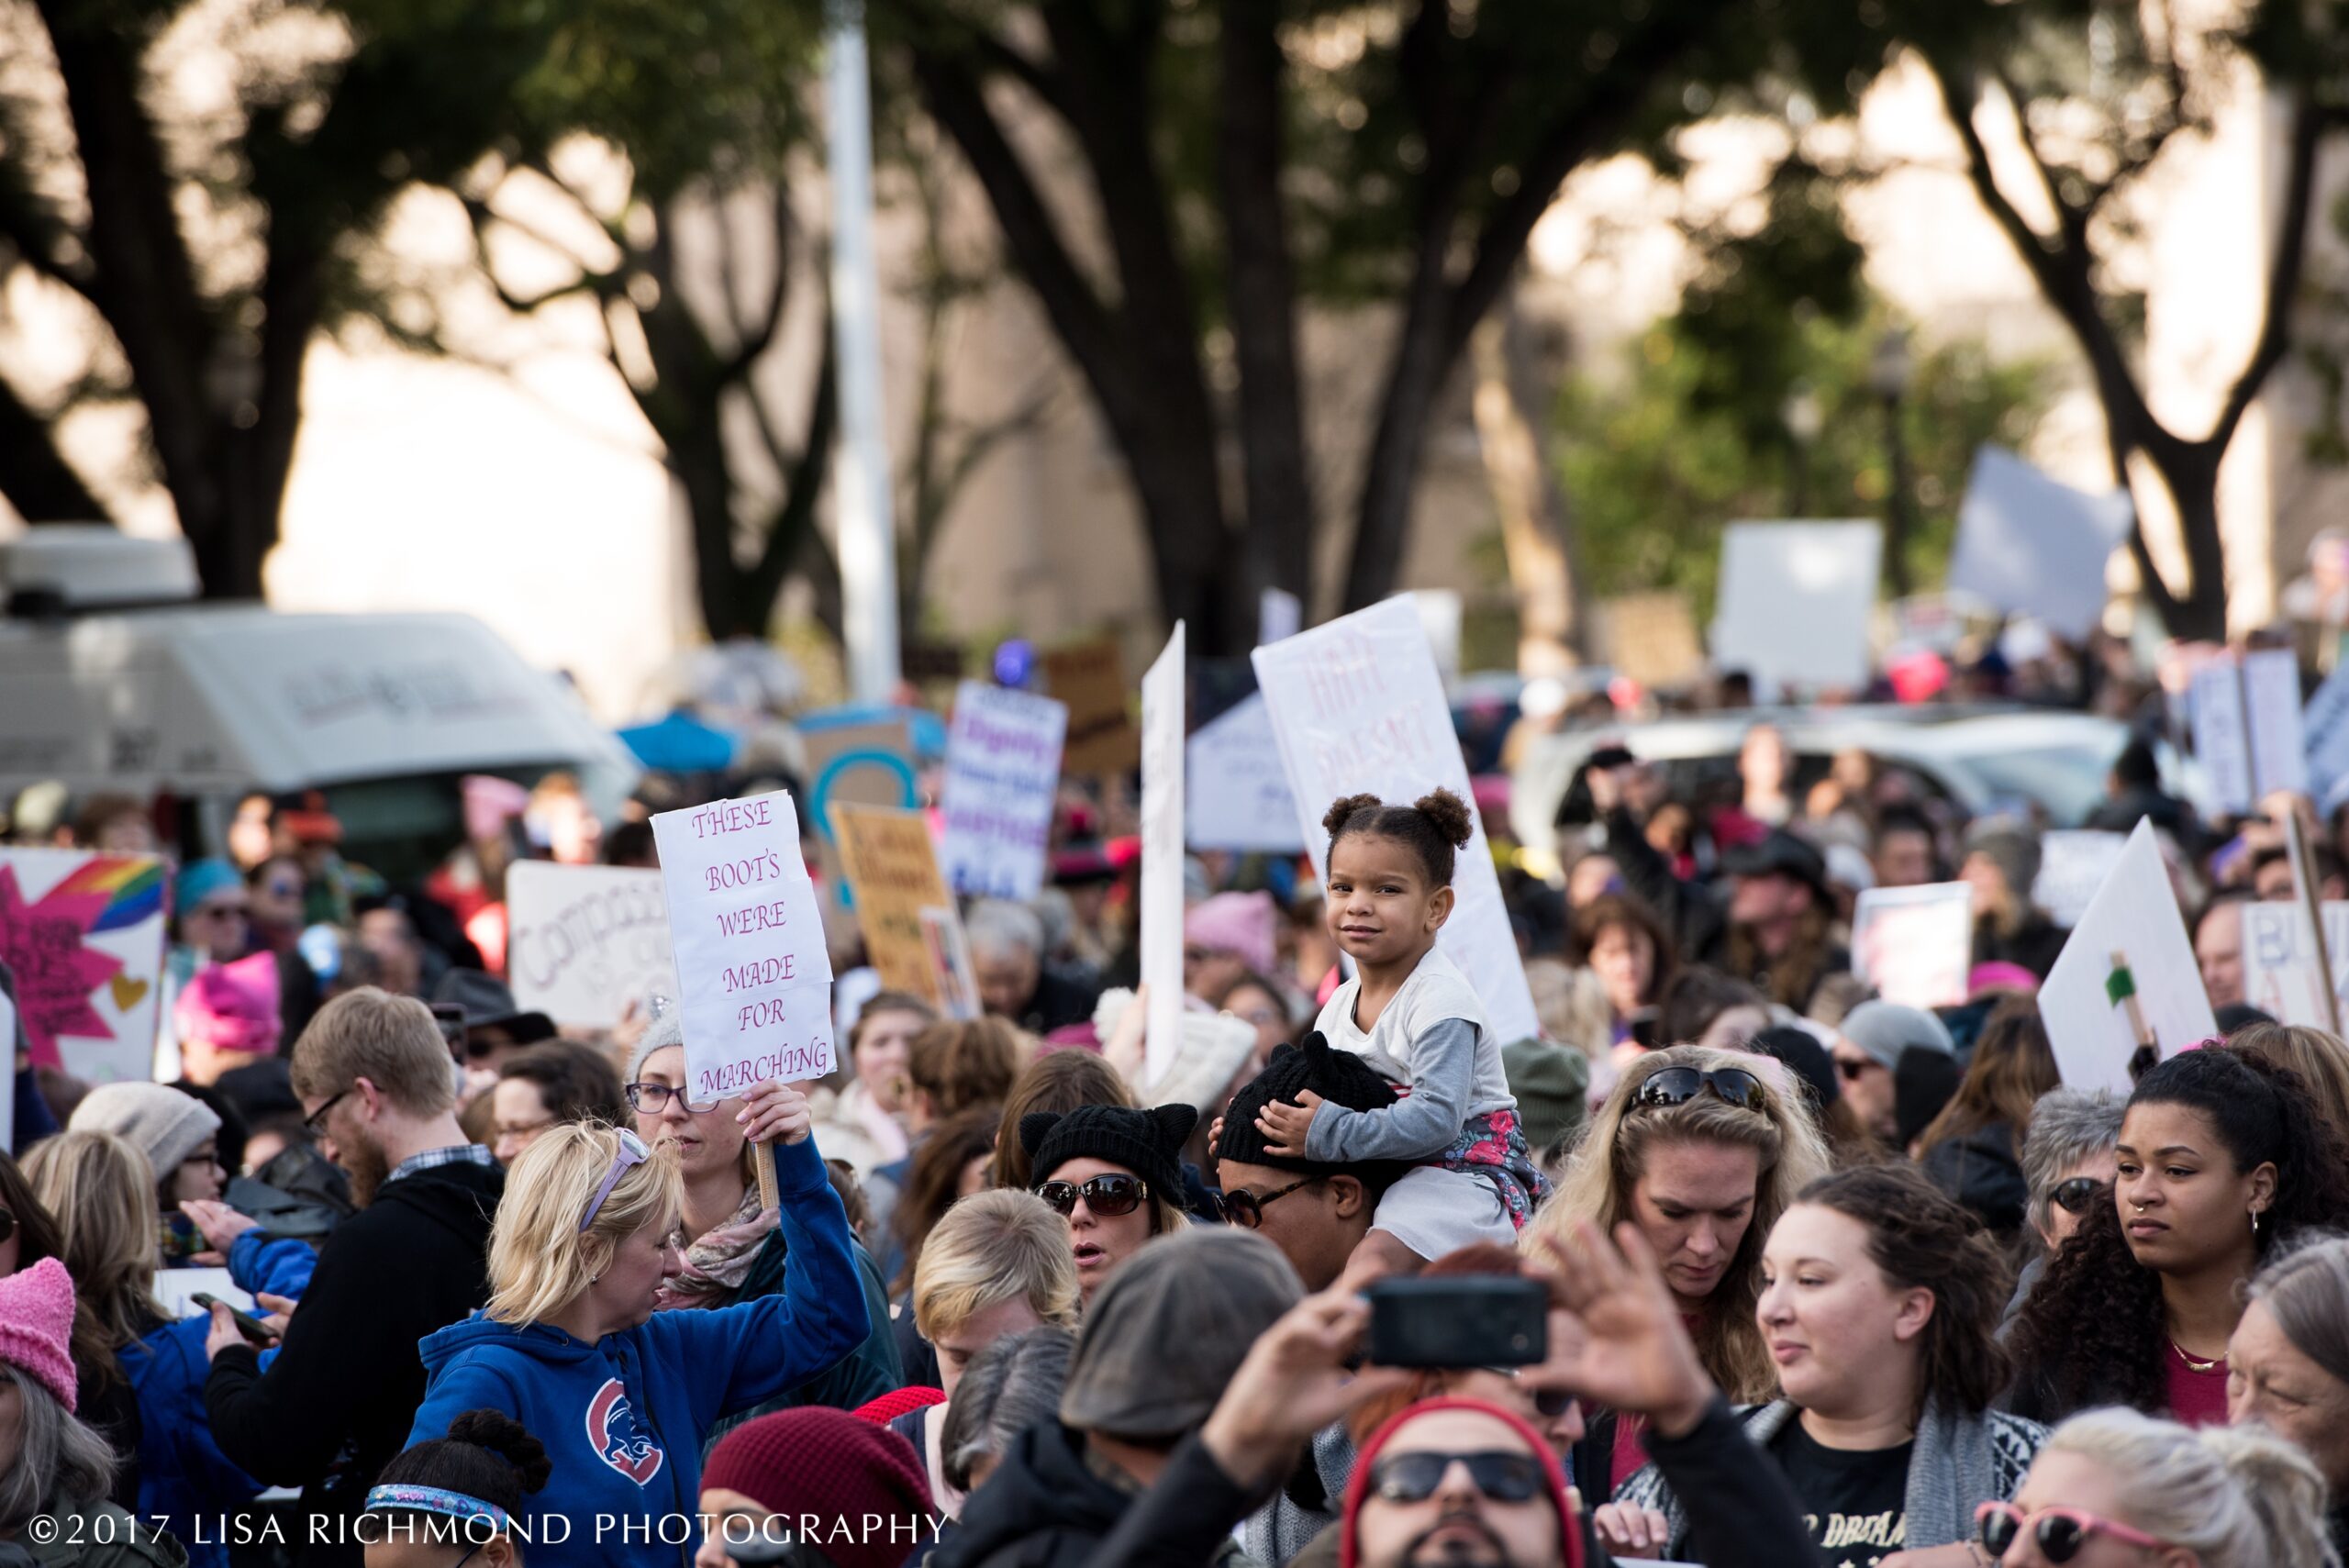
(1238, 923)
(232, 1007)
(37, 1323)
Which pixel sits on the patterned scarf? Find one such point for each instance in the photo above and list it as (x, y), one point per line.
(716, 1261)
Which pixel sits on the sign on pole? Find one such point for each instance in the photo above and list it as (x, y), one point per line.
(1163, 692)
(892, 866)
(1796, 601)
(583, 941)
(2283, 975)
(83, 935)
(2126, 981)
(2248, 729)
(751, 965)
(1002, 767)
(1090, 678)
(1915, 945)
(1357, 706)
(1237, 796)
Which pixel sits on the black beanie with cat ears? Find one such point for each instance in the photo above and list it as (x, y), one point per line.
(1149, 1143)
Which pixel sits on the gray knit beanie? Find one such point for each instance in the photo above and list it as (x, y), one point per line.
(669, 1029)
(158, 1121)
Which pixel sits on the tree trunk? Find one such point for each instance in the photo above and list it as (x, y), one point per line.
(2189, 471)
(33, 476)
(1531, 533)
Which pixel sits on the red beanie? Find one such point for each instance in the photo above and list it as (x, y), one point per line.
(861, 1487)
(1358, 1484)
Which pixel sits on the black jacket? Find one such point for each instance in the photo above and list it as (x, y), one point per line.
(2035, 944)
(1059, 1000)
(1741, 1513)
(338, 1401)
(1981, 1171)
(1044, 1508)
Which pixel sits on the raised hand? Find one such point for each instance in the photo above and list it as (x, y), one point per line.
(1615, 1333)
(773, 1111)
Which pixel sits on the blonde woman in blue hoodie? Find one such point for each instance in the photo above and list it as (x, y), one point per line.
(571, 1347)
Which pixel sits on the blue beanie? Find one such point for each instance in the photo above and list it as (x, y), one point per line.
(199, 879)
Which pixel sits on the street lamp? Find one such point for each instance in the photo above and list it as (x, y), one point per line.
(1889, 367)
(1804, 419)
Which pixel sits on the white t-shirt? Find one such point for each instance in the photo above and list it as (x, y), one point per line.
(1437, 990)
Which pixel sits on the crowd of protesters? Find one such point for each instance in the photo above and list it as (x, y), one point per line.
(1821, 1278)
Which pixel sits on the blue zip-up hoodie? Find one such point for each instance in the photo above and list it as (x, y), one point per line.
(185, 1483)
(623, 1418)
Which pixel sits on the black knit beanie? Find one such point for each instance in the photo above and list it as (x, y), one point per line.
(1339, 1076)
(1149, 1143)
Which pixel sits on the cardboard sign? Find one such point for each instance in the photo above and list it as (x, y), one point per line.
(2126, 978)
(1915, 945)
(753, 970)
(860, 765)
(1797, 600)
(2030, 546)
(83, 935)
(583, 941)
(2280, 964)
(1650, 639)
(1357, 706)
(892, 866)
(1163, 692)
(1236, 797)
(1091, 679)
(2072, 863)
(1002, 767)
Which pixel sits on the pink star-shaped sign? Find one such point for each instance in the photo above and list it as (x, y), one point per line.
(56, 971)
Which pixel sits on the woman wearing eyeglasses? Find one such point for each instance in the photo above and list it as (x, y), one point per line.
(2287, 1366)
(1699, 1152)
(1116, 1174)
(729, 1244)
(1880, 1304)
(2117, 1489)
(2218, 1155)
(623, 1395)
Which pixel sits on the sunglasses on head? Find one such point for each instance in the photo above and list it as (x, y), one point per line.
(1246, 1210)
(1106, 1196)
(1413, 1477)
(2060, 1532)
(2073, 1197)
(1679, 1086)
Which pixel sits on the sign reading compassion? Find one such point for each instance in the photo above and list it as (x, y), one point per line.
(749, 945)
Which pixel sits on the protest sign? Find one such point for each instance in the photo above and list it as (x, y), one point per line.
(2030, 546)
(1163, 692)
(1002, 767)
(860, 765)
(83, 935)
(2271, 690)
(583, 941)
(1279, 615)
(1236, 798)
(176, 1289)
(892, 866)
(950, 962)
(2324, 729)
(1650, 639)
(2126, 979)
(1795, 603)
(1357, 707)
(8, 1101)
(1915, 945)
(752, 970)
(1090, 678)
(2281, 966)
(2072, 863)
(2248, 730)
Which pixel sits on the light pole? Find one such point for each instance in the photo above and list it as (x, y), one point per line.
(1888, 371)
(1804, 419)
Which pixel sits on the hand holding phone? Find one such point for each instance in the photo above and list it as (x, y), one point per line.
(258, 1334)
(1459, 1322)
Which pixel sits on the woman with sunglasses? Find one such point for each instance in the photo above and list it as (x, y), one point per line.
(571, 1345)
(730, 1245)
(1880, 1301)
(454, 1500)
(2218, 1155)
(1116, 1174)
(1696, 1150)
(2118, 1489)
(2067, 1165)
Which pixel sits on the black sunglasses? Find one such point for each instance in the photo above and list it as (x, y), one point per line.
(1242, 1207)
(1679, 1086)
(1413, 1477)
(315, 1124)
(2074, 1195)
(1106, 1196)
(2060, 1533)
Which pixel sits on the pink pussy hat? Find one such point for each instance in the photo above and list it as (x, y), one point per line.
(37, 1323)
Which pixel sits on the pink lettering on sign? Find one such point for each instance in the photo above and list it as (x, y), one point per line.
(1345, 675)
(791, 1064)
(732, 817)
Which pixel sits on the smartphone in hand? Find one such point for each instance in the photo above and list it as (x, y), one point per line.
(1464, 1321)
(258, 1334)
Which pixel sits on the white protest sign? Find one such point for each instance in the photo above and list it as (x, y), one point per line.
(2279, 962)
(753, 970)
(2072, 863)
(2271, 685)
(1795, 603)
(83, 934)
(1357, 707)
(1161, 855)
(1237, 796)
(176, 1289)
(2030, 546)
(2127, 972)
(1279, 614)
(583, 941)
(2324, 728)
(1915, 945)
(2221, 735)
(1003, 768)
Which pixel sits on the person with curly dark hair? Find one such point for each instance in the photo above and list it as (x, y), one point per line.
(2219, 1156)
(462, 1492)
(1880, 1301)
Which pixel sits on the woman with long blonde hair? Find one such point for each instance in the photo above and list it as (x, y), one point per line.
(571, 1344)
(102, 1191)
(1698, 1149)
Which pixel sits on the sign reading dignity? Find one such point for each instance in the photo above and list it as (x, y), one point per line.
(1003, 766)
(586, 940)
(749, 944)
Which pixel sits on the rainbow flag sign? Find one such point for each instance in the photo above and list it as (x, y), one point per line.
(83, 935)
